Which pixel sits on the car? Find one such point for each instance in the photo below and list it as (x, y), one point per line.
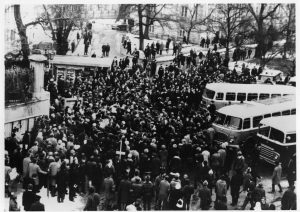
(120, 27)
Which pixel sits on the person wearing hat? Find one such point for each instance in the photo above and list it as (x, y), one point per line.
(205, 196)
(289, 199)
(28, 197)
(163, 193)
(124, 192)
(37, 205)
(187, 190)
(221, 187)
(276, 177)
(235, 185)
(109, 191)
(258, 192)
(163, 155)
(148, 193)
(93, 200)
(53, 170)
(239, 163)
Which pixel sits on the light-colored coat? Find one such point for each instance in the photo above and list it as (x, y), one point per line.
(276, 177)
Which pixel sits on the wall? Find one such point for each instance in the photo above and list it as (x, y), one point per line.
(30, 109)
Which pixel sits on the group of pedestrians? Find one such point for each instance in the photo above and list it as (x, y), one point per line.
(142, 139)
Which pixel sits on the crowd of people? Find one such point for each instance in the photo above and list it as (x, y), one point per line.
(141, 138)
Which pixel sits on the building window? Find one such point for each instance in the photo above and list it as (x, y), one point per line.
(181, 33)
(151, 28)
(184, 11)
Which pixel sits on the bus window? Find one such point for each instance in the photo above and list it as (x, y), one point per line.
(276, 114)
(230, 96)
(276, 135)
(275, 95)
(246, 124)
(267, 115)
(220, 118)
(264, 96)
(233, 122)
(293, 111)
(263, 130)
(290, 138)
(256, 120)
(252, 96)
(209, 93)
(241, 96)
(220, 96)
(286, 112)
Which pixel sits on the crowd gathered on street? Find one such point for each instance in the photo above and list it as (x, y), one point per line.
(141, 138)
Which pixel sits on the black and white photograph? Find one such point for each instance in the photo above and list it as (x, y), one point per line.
(149, 106)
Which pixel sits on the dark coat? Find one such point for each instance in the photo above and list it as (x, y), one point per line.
(205, 198)
(92, 202)
(62, 178)
(124, 191)
(28, 199)
(288, 201)
(37, 206)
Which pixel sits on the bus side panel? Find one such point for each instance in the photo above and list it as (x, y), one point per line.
(223, 135)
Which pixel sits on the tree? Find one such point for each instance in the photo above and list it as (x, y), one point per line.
(60, 20)
(260, 27)
(22, 31)
(189, 19)
(147, 14)
(231, 20)
(288, 29)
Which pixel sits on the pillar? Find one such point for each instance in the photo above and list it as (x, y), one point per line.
(37, 63)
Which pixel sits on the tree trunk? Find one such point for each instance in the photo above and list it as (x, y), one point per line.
(146, 31)
(227, 49)
(188, 35)
(260, 49)
(61, 42)
(147, 26)
(22, 32)
(141, 35)
(62, 46)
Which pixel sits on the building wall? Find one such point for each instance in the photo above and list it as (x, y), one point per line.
(103, 11)
(173, 30)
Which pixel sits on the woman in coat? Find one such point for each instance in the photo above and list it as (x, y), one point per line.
(62, 178)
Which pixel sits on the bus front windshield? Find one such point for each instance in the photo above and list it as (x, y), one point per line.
(229, 121)
(209, 94)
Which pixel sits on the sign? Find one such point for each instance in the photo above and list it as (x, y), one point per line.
(71, 74)
(60, 73)
(70, 102)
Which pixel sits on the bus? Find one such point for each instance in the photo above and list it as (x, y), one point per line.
(65, 66)
(239, 123)
(223, 94)
(277, 138)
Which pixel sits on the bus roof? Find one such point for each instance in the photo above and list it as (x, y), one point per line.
(286, 124)
(250, 109)
(253, 88)
(81, 61)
